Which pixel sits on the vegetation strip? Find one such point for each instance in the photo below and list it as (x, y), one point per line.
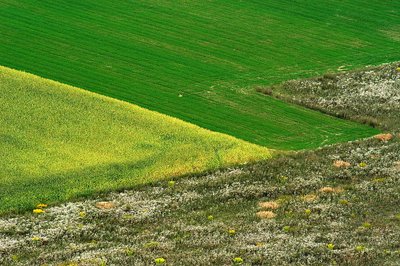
(370, 97)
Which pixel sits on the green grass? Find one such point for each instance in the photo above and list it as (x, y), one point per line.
(211, 53)
(59, 142)
(358, 224)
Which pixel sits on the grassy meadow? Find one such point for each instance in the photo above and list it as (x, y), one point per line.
(59, 142)
(298, 209)
(199, 61)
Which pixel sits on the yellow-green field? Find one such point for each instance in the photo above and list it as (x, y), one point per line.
(59, 142)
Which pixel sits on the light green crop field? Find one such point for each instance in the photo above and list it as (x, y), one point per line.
(200, 60)
(58, 142)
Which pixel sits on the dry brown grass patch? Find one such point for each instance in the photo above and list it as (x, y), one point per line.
(105, 205)
(397, 166)
(341, 164)
(309, 197)
(265, 214)
(271, 205)
(384, 137)
(331, 190)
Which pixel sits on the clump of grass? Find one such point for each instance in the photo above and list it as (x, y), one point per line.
(151, 245)
(287, 228)
(171, 184)
(265, 90)
(367, 225)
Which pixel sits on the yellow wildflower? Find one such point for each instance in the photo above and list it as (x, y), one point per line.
(360, 248)
(344, 202)
(362, 164)
(159, 261)
(129, 252)
(238, 260)
(38, 211)
(366, 225)
(260, 244)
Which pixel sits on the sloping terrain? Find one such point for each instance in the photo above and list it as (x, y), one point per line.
(198, 61)
(338, 205)
(376, 102)
(58, 142)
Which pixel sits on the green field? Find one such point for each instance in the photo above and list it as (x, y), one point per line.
(199, 61)
(59, 142)
(296, 208)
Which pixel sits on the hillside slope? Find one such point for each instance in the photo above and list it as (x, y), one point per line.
(299, 209)
(58, 142)
(198, 60)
